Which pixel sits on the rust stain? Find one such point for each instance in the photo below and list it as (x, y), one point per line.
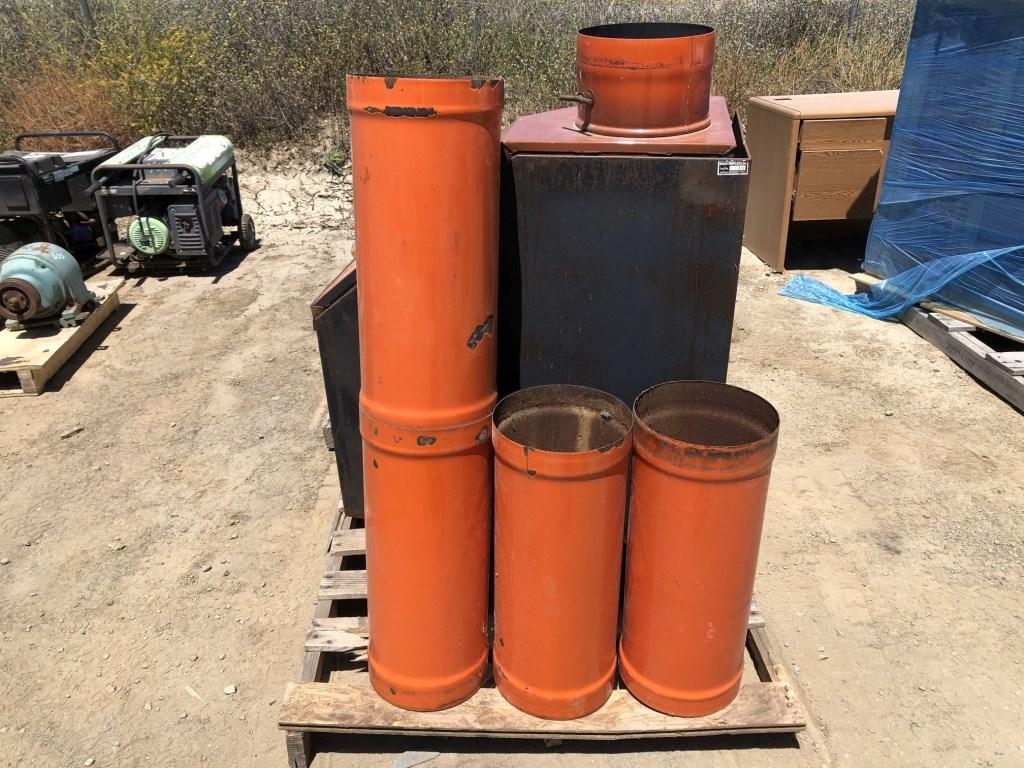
(480, 331)
(402, 111)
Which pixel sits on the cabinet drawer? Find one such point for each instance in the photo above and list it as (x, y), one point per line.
(860, 133)
(840, 184)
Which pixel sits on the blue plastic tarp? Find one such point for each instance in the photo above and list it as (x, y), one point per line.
(950, 219)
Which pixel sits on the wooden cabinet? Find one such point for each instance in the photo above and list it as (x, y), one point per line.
(814, 158)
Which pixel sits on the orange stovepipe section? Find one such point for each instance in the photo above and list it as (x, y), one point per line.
(425, 155)
(645, 79)
(703, 454)
(561, 461)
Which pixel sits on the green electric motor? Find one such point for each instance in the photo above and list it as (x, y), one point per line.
(42, 282)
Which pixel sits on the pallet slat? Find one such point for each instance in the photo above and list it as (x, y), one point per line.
(970, 353)
(343, 585)
(351, 542)
(355, 707)
(333, 640)
(1011, 362)
(36, 355)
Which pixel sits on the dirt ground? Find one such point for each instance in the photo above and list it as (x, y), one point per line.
(170, 550)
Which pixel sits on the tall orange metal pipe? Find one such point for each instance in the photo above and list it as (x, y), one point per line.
(703, 455)
(425, 157)
(561, 460)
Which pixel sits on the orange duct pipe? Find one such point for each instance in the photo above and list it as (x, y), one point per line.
(703, 455)
(425, 156)
(644, 80)
(562, 456)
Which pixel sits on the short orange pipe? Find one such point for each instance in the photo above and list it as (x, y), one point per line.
(703, 455)
(425, 155)
(644, 79)
(562, 457)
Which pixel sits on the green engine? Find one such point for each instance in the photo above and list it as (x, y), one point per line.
(149, 235)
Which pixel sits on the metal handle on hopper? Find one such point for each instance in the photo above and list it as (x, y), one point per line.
(583, 99)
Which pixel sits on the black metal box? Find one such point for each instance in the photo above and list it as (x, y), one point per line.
(619, 271)
(336, 321)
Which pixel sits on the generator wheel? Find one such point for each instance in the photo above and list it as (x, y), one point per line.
(216, 255)
(247, 233)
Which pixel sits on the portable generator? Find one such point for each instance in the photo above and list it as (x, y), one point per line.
(183, 197)
(45, 196)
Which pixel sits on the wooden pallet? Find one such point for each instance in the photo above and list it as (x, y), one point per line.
(328, 433)
(968, 344)
(326, 701)
(30, 358)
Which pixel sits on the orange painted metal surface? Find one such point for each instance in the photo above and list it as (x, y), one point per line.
(703, 455)
(644, 79)
(425, 156)
(561, 462)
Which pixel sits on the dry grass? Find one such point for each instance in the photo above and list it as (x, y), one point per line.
(52, 98)
(267, 71)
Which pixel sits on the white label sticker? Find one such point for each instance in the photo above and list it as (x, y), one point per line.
(734, 167)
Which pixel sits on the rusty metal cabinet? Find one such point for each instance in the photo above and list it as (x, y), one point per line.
(336, 322)
(815, 158)
(618, 271)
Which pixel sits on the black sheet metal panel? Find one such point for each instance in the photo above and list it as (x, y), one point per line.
(336, 320)
(619, 272)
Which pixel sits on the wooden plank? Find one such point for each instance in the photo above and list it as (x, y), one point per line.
(1011, 362)
(351, 542)
(755, 619)
(948, 323)
(962, 348)
(299, 746)
(325, 430)
(353, 707)
(969, 318)
(772, 140)
(36, 355)
(343, 585)
(859, 133)
(810, 106)
(357, 625)
(333, 640)
(339, 522)
(836, 184)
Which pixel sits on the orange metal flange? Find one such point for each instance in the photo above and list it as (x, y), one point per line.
(703, 455)
(562, 457)
(425, 155)
(644, 79)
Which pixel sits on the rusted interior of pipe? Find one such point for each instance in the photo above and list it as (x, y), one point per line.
(710, 414)
(563, 419)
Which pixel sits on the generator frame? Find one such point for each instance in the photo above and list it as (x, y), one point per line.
(38, 211)
(175, 187)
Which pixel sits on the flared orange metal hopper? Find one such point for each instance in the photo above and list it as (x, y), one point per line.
(644, 80)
